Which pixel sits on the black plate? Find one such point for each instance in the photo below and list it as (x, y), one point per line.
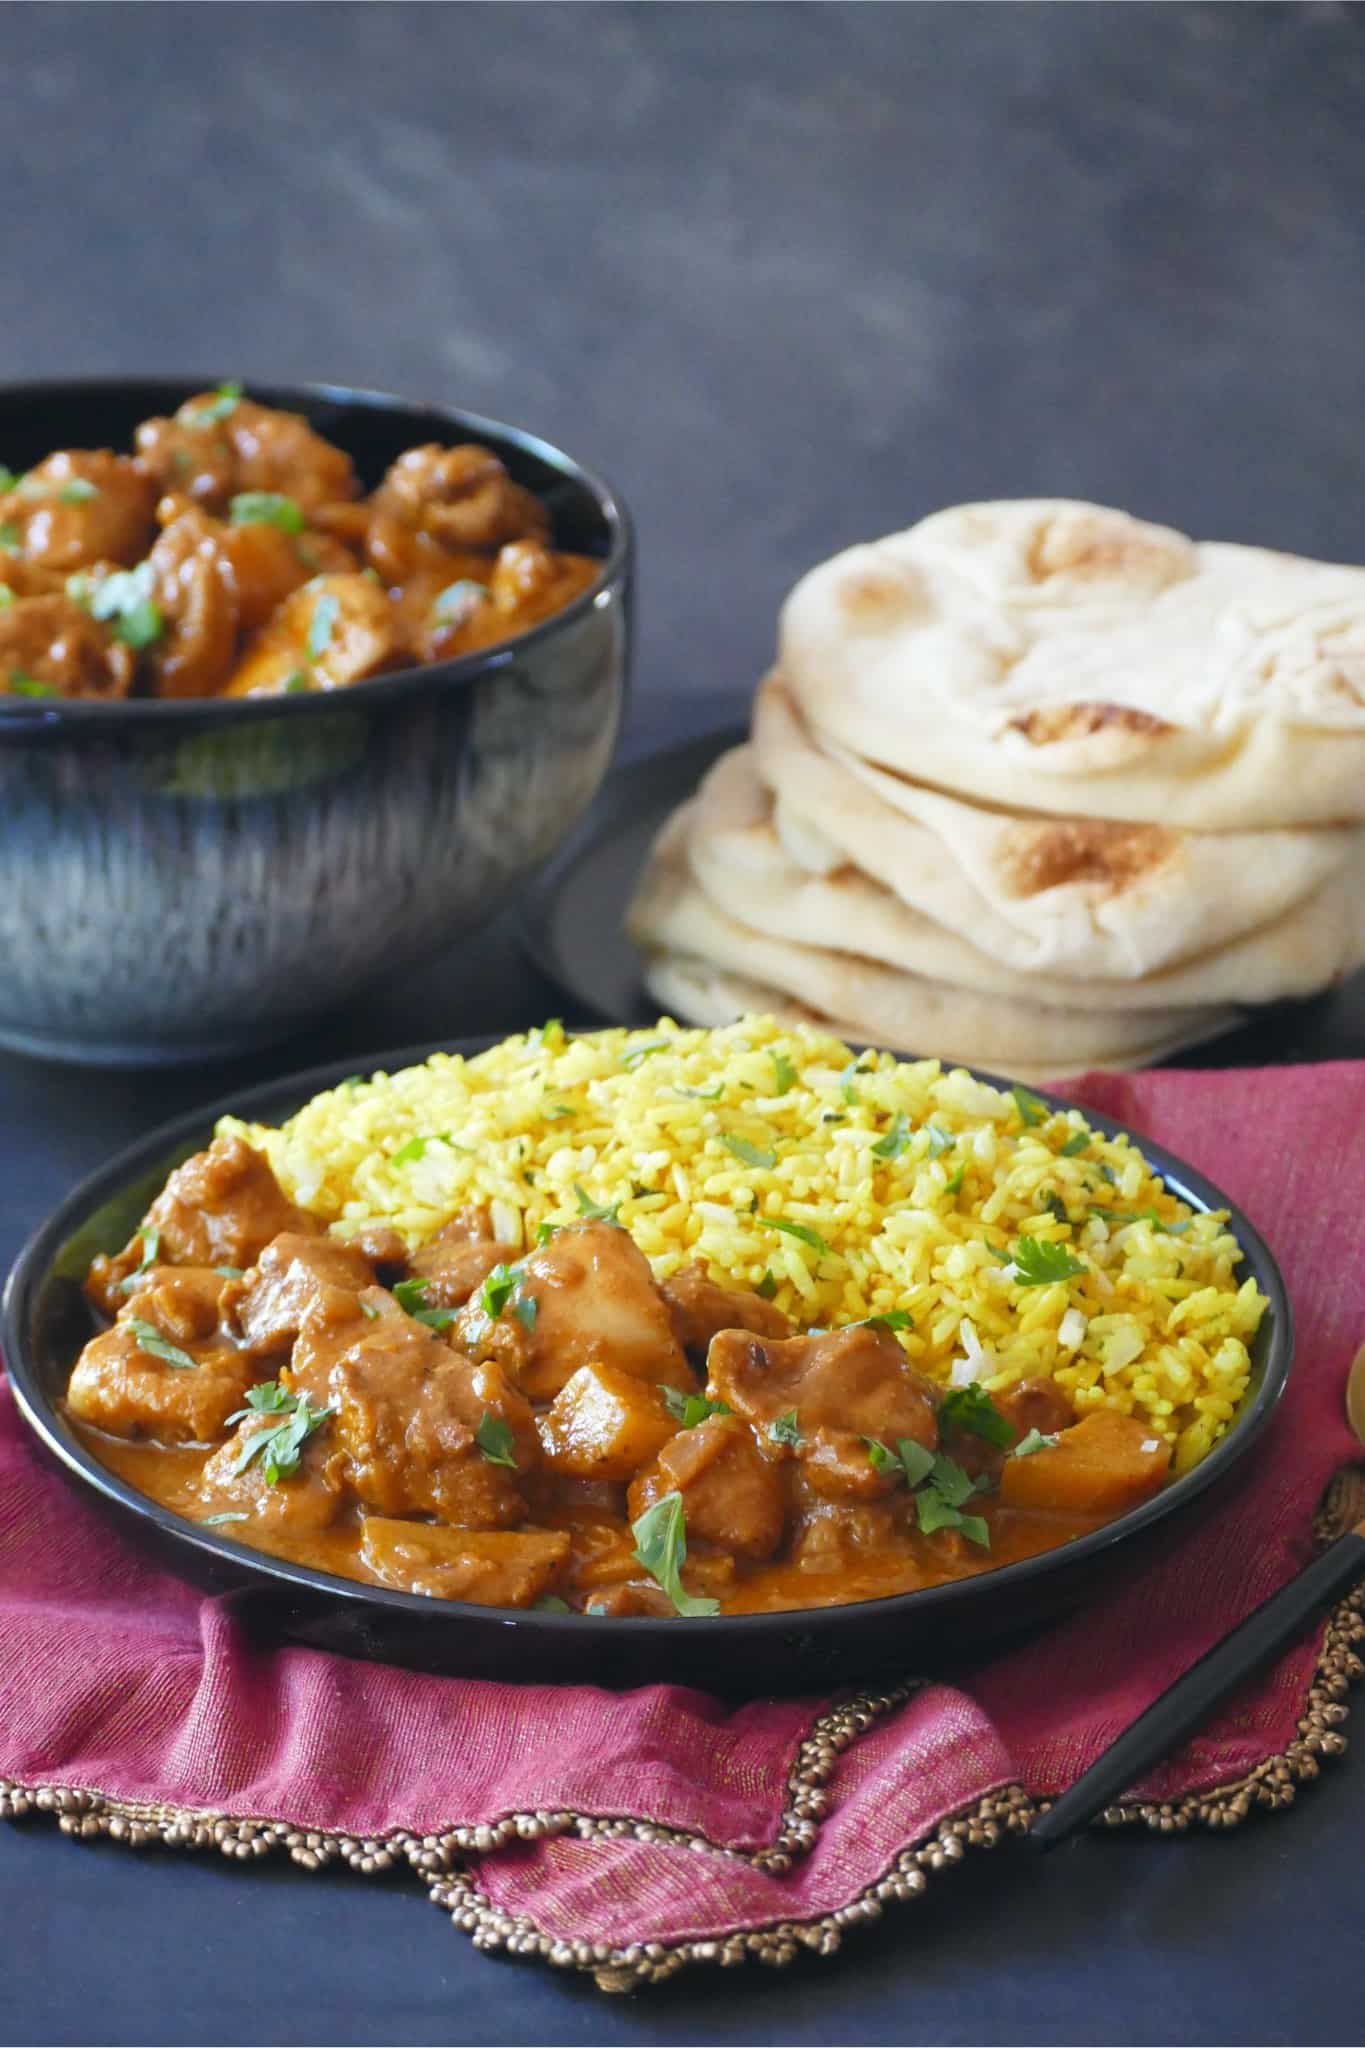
(571, 922)
(45, 1320)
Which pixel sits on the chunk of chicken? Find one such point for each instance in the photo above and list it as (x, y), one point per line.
(261, 563)
(335, 630)
(409, 1411)
(845, 1387)
(127, 1390)
(454, 1272)
(81, 505)
(184, 1302)
(221, 1208)
(459, 499)
(732, 1494)
(296, 1505)
(51, 647)
(438, 595)
(198, 601)
(1029, 1404)
(700, 1309)
(280, 452)
(491, 1567)
(265, 1308)
(596, 1303)
(190, 455)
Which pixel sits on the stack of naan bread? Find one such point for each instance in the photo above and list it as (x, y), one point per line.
(1035, 786)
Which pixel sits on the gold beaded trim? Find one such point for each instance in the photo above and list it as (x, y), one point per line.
(440, 1860)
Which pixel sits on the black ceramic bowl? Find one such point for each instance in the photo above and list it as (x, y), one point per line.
(184, 880)
(45, 1320)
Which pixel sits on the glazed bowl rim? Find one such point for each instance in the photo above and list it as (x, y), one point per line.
(138, 712)
(282, 1095)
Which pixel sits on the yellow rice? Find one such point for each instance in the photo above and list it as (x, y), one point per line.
(1157, 1326)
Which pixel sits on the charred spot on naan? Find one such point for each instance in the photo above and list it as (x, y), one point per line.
(1091, 543)
(1035, 855)
(1050, 724)
(872, 594)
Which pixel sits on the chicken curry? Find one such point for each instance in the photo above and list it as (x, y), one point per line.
(232, 554)
(556, 1428)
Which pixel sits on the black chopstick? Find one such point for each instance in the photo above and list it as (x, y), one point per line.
(1187, 1704)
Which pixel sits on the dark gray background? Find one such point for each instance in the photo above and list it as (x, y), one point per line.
(790, 276)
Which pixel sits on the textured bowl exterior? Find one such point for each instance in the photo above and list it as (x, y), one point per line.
(189, 879)
(45, 1320)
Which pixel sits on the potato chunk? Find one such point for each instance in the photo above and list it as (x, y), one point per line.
(1103, 1465)
(604, 1424)
(492, 1567)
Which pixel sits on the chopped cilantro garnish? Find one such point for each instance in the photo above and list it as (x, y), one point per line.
(9, 480)
(1074, 1146)
(952, 1482)
(996, 1253)
(801, 1231)
(411, 1295)
(940, 1142)
(916, 1462)
(545, 1231)
(218, 407)
(747, 1154)
(26, 686)
(767, 1286)
(11, 539)
(878, 1456)
(894, 1319)
(266, 508)
(297, 682)
(596, 1212)
(896, 1138)
(151, 1245)
(1032, 1109)
(550, 1603)
(497, 1290)
(279, 1445)
(848, 1082)
(1034, 1441)
(229, 1272)
(1143, 1216)
(549, 1032)
(783, 1429)
(78, 491)
(784, 1073)
(367, 1308)
(953, 1186)
(638, 1054)
(1055, 1206)
(435, 1318)
(494, 1438)
(150, 1340)
(935, 1512)
(326, 612)
(703, 1094)
(125, 601)
(526, 1308)
(1039, 1265)
(6, 597)
(216, 1521)
(661, 1547)
(971, 1411)
(458, 600)
(690, 1409)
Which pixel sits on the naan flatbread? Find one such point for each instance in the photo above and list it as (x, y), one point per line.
(1061, 657)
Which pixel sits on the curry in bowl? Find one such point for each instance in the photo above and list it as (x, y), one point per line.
(233, 554)
(680, 1322)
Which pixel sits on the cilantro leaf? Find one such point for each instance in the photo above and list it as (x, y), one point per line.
(954, 1185)
(1039, 1265)
(703, 1094)
(367, 1308)
(767, 1286)
(996, 1253)
(940, 1142)
(266, 508)
(747, 1154)
(971, 1411)
(456, 602)
(1055, 1206)
(596, 1212)
(951, 1482)
(1032, 1109)
(215, 1521)
(78, 491)
(878, 1456)
(219, 406)
(1034, 1441)
(690, 1409)
(11, 538)
(435, 1318)
(229, 1272)
(280, 1443)
(638, 1054)
(783, 1430)
(848, 1082)
(784, 1073)
(497, 1290)
(916, 1462)
(25, 686)
(150, 1340)
(526, 1308)
(1143, 1216)
(550, 1603)
(661, 1547)
(934, 1512)
(896, 1139)
(801, 1231)
(547, 1033)
(326, 612)
(894, 1319)
(411, 1295)
(1074, 1146)
(125, 601)
(494, 1438)
(151, 1245)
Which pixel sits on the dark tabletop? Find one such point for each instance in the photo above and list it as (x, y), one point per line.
(791, 277)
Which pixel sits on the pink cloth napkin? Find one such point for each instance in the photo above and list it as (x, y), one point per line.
(128, 1686)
